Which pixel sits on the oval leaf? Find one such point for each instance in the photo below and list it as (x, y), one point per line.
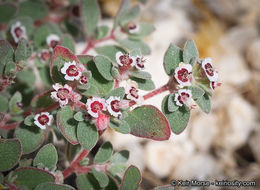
(120, 157)
(190, 52)
(101, 177)
(196, 92)
(119, 92)
(104, 153)
(141, 75)
(132, 179)
(110, 51)
(6, 54)
(24, 50)
(7, 11)
(171, 103)
(148, 122)
(53, 186)
(204, 103)
(104, 66)
(144, 84)
(134, 44)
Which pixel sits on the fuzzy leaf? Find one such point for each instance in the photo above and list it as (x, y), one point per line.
(172, 58)
(6, 54)
(101, 177)
(178, 119)
(204, 103)
(148, 122)
(67, 124)
(31, 137)
(26, 76)
(53, 186)
(141, 75)
(79, 116)
(7, 11)
(118, 168)
(190, 52)
(134, 44)
(87, 135)
(47, 156)
(110, 51)
(13, 103)
(119, 92)
(68, 42)
(144, 84)
(104, 66)
(132, 179)
(120, 157)
(101, 32)
(196, 92)
(31, 9)
(3, 103)
(29, 120)
(31, 177)
(120, 127)
(23, 51)
(129, 15)
(172, 104)
(104, 153)
(125, 5)
(90, 16)
(11, 151)
(44, 73)
(10, 69)
(145, 29)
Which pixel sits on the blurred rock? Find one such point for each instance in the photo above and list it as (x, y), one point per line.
(253, 54)
(254, 142)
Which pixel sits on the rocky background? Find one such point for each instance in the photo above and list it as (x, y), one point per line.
(224, 144)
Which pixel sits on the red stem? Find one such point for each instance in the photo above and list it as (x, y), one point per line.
(51, 107)
(155, 92)
(10, 126)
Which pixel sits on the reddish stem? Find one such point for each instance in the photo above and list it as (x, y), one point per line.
(10, 126)
(51, 107)
(155, 92)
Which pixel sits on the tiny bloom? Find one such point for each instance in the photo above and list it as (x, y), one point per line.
(214, 85)
(71, 71)
(42, 119)
(44, 55)
(209, 70)
(139, 62)
(124, 59)
(113, 106)
(183, 74)
(18, 31)
(102, 121)
(183, 97)
(52, 40)
(132, 27)
(131, 91)
(74, 96)
(61, 94)
(95, 105)
(83, 79)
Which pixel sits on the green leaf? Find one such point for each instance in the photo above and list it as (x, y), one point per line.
(7, 11)
(67, 125)
(129, 15)
(190, 52)
(144, 84)
(172, 58)
(31, 137)
(125, 5)
(47, 156)
(132, 179)
(23, 51)
(122, 127)
(145, 29)
(118, 168)
(68, 42)
(119, 92)
(6, 54)
(10, 69)
(79, 116)
(101, 32)
(31, 177)
(11, 151)
(29, 120)
(101, 177)
(196, 92)
(26, 76)
(110, 51)
(3, 103)
(87, 135)
(148, 122)
(33, 9)
(141, 75)
(172, 107)
(204, 103)
(134, 44)
(53, 186)
(44, 73)
(178, 119)
(13, 103)
(120, 157)
(90, 16)
(104, 153)
(104, 66)
(42, 100)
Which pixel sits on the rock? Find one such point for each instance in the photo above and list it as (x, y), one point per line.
(253, 54)
(254, 142)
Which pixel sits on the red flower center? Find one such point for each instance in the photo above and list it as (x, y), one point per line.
(96, 106)
(72, 71)
(183, 97)
(131, 26)
(75, 10)
(83, 79)
(115, 105)
(53, 44)
(134, 92)
(45, 56)
(18, 32)
(43, 119)
(139, 62)
(125, 60)
(209, 69)
(183, 75)
(62, 93)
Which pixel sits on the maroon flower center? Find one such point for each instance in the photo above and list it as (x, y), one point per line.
(53, 44)
(75, 10)
(45, 56)
(183, 97)
(62, 93)
(18, 32)
(43, 119)
(183, 75)
(131, 26)
(209, 69)
(72, 71)
(96, 106)
(115, 105)
(134, 92)
(139, 62)
(83, 79)
(125, 60)
(213, 85)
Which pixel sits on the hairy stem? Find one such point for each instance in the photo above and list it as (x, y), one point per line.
(156, 91)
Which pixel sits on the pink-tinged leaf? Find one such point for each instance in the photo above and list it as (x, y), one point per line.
(148, 122)
(60, 55)
(67, 124)
(102, 121)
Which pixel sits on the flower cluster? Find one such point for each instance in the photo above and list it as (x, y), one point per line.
(125, 61)
(18, 31)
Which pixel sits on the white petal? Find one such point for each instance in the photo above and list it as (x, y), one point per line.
(118, 54)
(36, 117)
(39, 125)
(95, 115)
(52, 37)
(63, 102)
(176, 100)
(57, 86)
(73, 62)
(50, 120)
(68, 87)
(67, 77)
(135, 30)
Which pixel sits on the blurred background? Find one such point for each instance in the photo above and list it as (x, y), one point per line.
(224, 144)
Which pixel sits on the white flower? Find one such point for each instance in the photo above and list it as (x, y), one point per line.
(61, 94)
(18, 31)
(83, 79)
(139, 62)
(183, 97)
(183, 74)
(132, 28)
(52, 40)
(124, 59)
(213, 85)
(42, 119)
(44, 55)
(131, 91)
(209, 70)
(95, 105)
(113, 106)
(71, 71)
